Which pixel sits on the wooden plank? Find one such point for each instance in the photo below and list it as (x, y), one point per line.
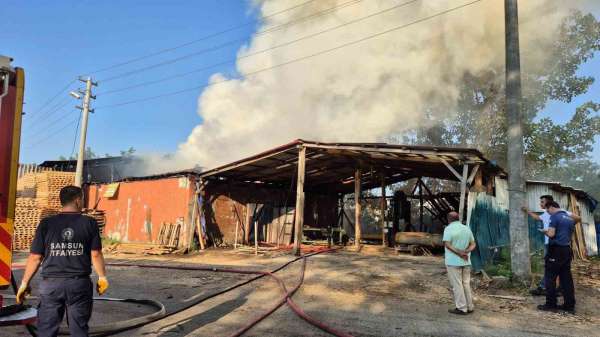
(193, 220)
(463, 192)
(458, 176)
(299, 218)
(383, 208)
(357, 208)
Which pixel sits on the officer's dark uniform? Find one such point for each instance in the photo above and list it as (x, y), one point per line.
(66, 241)
(558, 261)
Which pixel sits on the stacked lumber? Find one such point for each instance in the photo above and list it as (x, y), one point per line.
(577, 238)
(168, 235)
(99, 216)
(37, 198)
(138, 248)
(27, 218)
(48, 186)
(26, 185)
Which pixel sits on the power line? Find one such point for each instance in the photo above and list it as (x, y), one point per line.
(65, 88)
(46, 126)
(206, 37)
(31, 145)
(234, 42)
(263, 50)
(75, 137)
(298, 59)
(54, 110)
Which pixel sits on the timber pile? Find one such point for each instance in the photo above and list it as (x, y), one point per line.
(138, 248)
(48, 186)
(37, 198)
(99, 216)
(27, 217)
(168, 235)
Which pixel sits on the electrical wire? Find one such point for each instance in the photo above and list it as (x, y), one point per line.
(235, 42)
(203, 38)
(47, 126)
(295, 60)
(31, 145)
(57, 107)
(65, 88)
(234, 60)
(75, 137)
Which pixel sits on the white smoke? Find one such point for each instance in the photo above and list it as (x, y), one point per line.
(363, 92)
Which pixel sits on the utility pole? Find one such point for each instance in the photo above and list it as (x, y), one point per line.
(85, 112)
(519, 232)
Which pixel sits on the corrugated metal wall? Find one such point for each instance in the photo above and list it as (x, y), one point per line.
(137, 210)
(589, 228)
(534, 191)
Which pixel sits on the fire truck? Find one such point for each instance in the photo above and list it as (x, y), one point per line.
(12, 85)
(12, 82)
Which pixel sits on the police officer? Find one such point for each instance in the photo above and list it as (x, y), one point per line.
(558, 259)
(66, 245)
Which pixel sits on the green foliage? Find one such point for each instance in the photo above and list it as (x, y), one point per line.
(548, 144)
(583, 174)
(500, 266)
(108, 241)
(128, 152)
(89, 154)
(480, 121)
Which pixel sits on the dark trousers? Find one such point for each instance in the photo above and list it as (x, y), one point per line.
(558, 264)
(57, 294)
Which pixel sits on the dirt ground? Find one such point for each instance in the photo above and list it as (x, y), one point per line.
(371, 293)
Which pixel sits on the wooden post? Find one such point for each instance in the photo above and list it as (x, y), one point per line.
(199, 221)
(478, 182)
(249, 217)
(237, 226)
(463, 192)
(420, 182)
(383, 208)
(256, 237)
(357, 208)
(299, 218)
(489, 186)
(190, 237)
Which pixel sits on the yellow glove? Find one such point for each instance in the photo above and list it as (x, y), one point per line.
(24, 291)
(102, 285)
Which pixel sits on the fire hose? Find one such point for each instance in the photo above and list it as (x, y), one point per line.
(109, 329)
(285, 299)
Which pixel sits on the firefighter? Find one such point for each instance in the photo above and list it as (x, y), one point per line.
(65, 245)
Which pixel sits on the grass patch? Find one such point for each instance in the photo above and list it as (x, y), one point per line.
(107, 241)
(500, 264)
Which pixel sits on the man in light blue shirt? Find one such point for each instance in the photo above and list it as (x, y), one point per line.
(459, 242)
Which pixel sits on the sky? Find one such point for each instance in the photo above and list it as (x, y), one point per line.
(57, 41)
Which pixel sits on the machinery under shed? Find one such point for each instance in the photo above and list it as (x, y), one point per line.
(259, 191)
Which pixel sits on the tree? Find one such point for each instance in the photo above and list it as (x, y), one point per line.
(480, 120)
(129, 152)
(89, 154)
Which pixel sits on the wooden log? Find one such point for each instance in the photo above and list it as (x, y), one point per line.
(299, 218)
(419, 238)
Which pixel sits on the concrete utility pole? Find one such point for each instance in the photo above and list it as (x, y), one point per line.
(85, 111)
(519, 232)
